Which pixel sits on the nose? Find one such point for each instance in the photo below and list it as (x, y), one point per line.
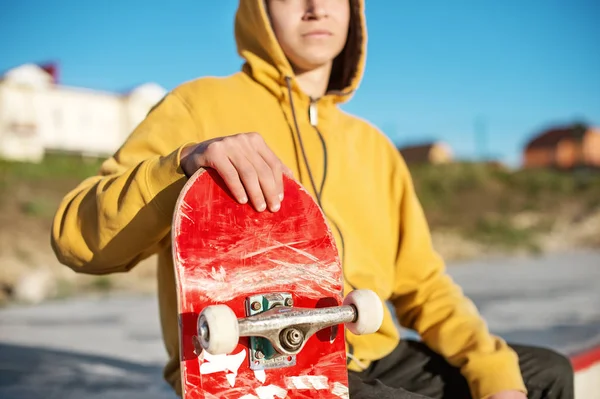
(317, 9)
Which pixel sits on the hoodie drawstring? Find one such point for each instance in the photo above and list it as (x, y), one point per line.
(350, 354)
(310, 175)
(318, 193)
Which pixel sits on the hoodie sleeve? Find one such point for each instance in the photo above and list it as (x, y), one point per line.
(428, 301)
(113, 220)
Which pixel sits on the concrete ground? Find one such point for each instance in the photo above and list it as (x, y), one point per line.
(111, 347)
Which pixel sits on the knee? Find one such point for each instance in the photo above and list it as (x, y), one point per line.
(558, 365)
(554, 370)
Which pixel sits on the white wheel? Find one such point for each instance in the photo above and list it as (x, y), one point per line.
(218, 330)
(369, 311)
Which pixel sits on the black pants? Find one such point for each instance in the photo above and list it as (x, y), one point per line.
(413, 371)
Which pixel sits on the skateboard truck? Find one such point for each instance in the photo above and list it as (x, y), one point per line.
(278, 331)
(263, 355)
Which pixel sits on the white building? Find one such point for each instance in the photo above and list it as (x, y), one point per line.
(38, 115)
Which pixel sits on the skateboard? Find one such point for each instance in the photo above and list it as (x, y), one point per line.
(260, 297)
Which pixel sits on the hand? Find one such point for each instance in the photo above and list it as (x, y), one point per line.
(508, 395)
(247, 165)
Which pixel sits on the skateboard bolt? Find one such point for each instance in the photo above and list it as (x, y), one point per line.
(292, 338)
(289, 302)
(259, 354)
(256, 305)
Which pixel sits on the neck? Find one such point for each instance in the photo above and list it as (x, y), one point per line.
(314, 82)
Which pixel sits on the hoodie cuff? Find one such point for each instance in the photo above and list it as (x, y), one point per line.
(496, 373)
(165, 179)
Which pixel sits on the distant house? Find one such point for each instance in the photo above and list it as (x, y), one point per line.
(38, 114)
(564, 147)
(431, 153)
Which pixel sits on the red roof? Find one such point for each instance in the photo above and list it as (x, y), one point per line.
(552, 137)
(416, 153)
(52, 69)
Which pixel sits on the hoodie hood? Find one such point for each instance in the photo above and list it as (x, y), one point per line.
(268, 65)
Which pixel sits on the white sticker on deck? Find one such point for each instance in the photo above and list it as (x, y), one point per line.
(271, 392)
(228, 364)
(340, 390)
(307, 382)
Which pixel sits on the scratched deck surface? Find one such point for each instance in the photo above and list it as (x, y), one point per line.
(223, 253)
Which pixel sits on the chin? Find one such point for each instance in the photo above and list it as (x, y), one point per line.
(314, 60)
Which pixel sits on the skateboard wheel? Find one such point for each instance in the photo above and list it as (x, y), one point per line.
(369, 311)
(218, 330)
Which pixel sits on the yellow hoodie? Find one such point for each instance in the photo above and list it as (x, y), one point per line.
(113, 220)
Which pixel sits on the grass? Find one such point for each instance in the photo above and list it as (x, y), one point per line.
(54, 166)
(29, 196)
(499, 210)
(33, 190)
(502, 234)
(102, 283)
(480, 201)
(38, 207)
(64, 289)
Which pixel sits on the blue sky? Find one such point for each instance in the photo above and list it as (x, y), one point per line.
(434, 68)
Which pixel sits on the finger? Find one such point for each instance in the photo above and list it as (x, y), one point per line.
(287, 171)
(249, 177)
(230, 176)
(266, 178)
(276, 167)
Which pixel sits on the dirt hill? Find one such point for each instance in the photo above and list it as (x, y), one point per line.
(474, 210)
(480, 209)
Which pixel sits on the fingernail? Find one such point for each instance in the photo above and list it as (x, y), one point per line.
(243, 200)
(281, 197)
(275, 207)
(262, 206)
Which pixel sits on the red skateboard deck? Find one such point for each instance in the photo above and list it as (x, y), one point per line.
(228, 254)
